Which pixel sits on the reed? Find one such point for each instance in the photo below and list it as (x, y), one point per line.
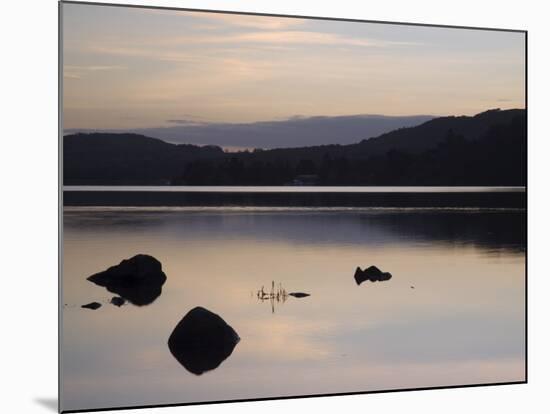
(276, 294)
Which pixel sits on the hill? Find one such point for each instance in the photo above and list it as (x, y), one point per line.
(293, 132)
(485, 149)
(109, 159)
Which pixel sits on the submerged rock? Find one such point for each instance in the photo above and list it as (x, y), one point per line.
(202, 340)
(118, 301)
(299, 294)
(371, 273)
(138, 279)
(92, 305)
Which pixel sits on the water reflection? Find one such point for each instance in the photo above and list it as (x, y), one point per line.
(463, 322)
(491, 230)
(117, 301)
(138, 280)
(371, 273)
(202, 340)
(277, 295)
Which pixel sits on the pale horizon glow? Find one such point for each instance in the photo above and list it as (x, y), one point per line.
(128, 68)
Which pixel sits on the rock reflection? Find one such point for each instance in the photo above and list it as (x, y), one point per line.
(118, 301)
(488, 230)
(92, 305)
(202, 340)
(371, 273)
(138, 279)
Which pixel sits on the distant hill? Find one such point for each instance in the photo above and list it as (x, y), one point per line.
(287, 133)
(486, 149)
(412, 140)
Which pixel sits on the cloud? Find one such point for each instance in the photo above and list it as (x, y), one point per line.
(289, 37)
(186, 122)
(92, 68)
(169, 49)
(284, 37)
(229, 19)
(77, 72)
(256, 22)
(151, 53)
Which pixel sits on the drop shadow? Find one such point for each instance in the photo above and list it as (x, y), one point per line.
(51, 404)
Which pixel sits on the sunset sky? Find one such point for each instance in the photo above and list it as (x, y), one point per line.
(127, 68)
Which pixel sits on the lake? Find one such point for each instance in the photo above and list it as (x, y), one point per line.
(453, 312)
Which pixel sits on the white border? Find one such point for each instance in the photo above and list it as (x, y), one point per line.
(28, 169)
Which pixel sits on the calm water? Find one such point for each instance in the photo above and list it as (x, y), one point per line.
(453, 313)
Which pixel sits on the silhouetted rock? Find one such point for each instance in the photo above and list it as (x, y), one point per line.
(138, 279)
(202, 340)
(118, 301)
(371, 273)
(299, 294)
(92, 305)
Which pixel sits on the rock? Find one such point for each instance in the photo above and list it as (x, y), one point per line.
(360, 276)
(202, 340)
(138, 279)
(299, 294)
(92, 305)
(118, 301)
(371, 273)
(384, 276)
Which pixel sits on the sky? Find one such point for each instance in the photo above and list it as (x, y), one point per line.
(131, 68)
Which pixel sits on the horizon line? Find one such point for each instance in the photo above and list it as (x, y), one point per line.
(178, 123)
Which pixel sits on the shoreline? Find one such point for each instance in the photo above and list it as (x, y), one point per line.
(516, 200)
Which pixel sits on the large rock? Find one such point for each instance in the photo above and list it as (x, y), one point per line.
(138, 279)
(202, 340)
(371, 273)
